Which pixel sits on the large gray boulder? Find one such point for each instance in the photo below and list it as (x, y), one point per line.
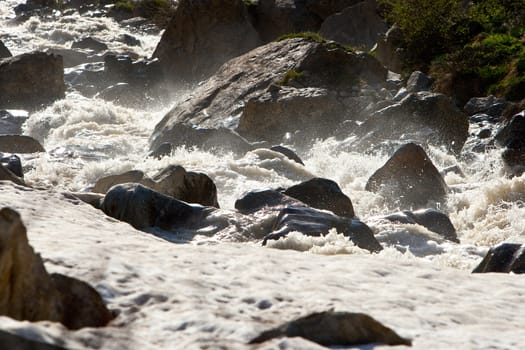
(409, 179)
(30, 80)
(28, 292)
(326, 8)
(424, 117)
(359, 25)
(251, 79)
(202, 35)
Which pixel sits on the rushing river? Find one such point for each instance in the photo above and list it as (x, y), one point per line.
(87, 138)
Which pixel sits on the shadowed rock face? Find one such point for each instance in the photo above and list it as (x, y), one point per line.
(30, 80)
(409, 179)
(332, 328)
(27, 292)
(322, 194)
(202, 35)
(504, 257)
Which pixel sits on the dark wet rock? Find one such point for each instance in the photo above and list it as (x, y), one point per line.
(409, 179)
(504, 257)
(19, 144)
(129, 40)
(512, 138)
(322, 194)
(454, 169)
(162, 151)
(313, 222)
(202, 35)
(30, 80)
(89, 43)
(268, 199)
(13, 341)
(143, 207)
(172, 181)
(491, 105)
(71, 58)
(419, 81)
(28, 292)
(331, 328)
(424, 117)
(222, 99)
(358, 25)
(7, 175)
(13, 164)
(4, 51)
(431, 219)
(290, 154)
(277, 17)
(11, 121)
(93, 199)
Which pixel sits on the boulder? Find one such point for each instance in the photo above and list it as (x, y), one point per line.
(202, 35)
(313, 222)
(358, 25)
(290, 154)
(267, 199)
(409, 179)
(19, 144)
(173, 181)
(143, 208)
(222, 99)
(28, 292)
(511, 137)
(490, 105)
(424, 117)
(89, 43)
(388, 50)
(13, 164)
(419, 81)
(335, 329)
(7, 175)
(431, 219)
(274, 18)
(325, 8)
(322, 194)
(504, 257)
(29, 80)
(4, 51)
(11, 121)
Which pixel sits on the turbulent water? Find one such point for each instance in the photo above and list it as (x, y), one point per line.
(87, 138)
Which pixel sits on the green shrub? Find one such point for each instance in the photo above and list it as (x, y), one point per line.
(304, 35)
(289, 77)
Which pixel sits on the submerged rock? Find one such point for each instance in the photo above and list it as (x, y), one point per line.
(504, 257)
(431, 219)
(290, 154)
(13, 164)
(28, 292)
(313, 222)
(322, 194)
(30, 80)
(4, 51)
(331, 328)
(409, 179)
(8, 175)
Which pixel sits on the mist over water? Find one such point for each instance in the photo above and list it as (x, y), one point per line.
(88, 138)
